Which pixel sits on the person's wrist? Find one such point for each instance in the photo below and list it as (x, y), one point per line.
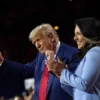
(1, 61)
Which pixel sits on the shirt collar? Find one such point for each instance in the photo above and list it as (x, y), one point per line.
(57, 48)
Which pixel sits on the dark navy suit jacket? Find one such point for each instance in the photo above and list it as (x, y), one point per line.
(35, 69)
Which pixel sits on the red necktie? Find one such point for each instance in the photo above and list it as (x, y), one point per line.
(43, 84)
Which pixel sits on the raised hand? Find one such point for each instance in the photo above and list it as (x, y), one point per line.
(49, 54)
(1, 58)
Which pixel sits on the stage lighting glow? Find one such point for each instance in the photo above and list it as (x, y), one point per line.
(56, 27)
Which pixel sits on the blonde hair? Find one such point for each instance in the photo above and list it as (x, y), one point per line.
(45, 29)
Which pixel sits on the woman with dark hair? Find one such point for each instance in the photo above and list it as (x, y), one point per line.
(84, 83)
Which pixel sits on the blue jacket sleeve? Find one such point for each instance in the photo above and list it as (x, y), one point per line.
(17, 70)
(90, 73)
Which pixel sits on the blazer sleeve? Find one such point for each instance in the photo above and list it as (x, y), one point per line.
(17, 70)
(90, 73)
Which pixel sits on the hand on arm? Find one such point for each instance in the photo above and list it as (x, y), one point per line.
(56, 66)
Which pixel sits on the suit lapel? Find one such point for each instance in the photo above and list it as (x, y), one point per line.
(42, 67)
(60, 52)
(51, 76)
(49, 82)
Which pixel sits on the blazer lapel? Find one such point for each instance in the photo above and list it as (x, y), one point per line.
(51, 76)
(60, 52)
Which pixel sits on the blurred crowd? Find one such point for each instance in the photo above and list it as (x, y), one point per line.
(25, 95)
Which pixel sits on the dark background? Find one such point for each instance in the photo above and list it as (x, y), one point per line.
(19, 17)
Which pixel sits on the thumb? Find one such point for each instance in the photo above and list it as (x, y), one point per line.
(66, 66)
(1, 57)
(59, 60)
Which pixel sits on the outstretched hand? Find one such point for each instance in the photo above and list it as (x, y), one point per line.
(1, 58)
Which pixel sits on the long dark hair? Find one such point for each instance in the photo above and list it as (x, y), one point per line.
(90, 28)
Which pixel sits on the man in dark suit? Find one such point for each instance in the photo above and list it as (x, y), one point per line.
(47, 85)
